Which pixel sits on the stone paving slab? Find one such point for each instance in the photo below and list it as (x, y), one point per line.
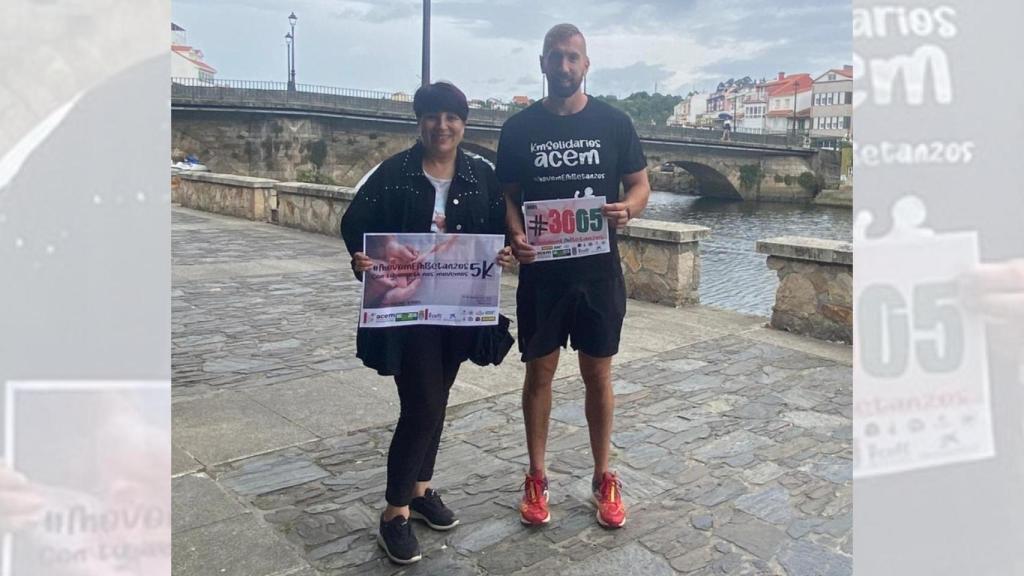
(251, 268)
(732, 440)
(238, 546)
(208, 502)
(840, 353)
(182, 462)
(328, 404)
(229, 425)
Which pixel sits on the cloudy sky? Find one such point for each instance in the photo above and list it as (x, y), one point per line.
(490, 47)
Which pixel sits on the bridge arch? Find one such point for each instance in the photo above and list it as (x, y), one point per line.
(709, 181)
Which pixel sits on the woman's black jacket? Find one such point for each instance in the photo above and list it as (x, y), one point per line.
(397, 197)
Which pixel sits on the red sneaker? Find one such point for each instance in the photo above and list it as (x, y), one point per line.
(611, 512)
(533, 509)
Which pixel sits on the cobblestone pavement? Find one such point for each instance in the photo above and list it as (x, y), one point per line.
(733, 441)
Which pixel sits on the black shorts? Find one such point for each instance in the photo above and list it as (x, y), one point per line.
(587, 314)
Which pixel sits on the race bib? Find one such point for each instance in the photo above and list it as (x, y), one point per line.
(566, 228)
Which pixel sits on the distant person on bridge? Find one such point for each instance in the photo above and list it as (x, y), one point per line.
(580, 300)
(432, 187)
(726, 131)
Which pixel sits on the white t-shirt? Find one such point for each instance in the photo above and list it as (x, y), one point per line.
(440, 199)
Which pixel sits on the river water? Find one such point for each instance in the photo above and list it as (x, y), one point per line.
(733, 275)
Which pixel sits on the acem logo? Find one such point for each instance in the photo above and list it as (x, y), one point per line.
(570, 158)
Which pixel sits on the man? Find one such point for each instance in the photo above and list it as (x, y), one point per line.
(581, 300)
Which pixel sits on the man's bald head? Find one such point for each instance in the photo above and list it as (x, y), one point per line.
(560, 33)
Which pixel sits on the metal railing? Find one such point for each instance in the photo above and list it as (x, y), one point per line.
(283, 87)
(277, 95)
(312, 97)
(715, 134)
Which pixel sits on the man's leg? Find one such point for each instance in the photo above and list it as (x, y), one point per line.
(596, 336)
(542, 315)
(600, 408)
(537, 407)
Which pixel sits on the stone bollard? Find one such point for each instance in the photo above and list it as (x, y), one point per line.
(175, 185)
(815, 295)
(312, 207)
(661, 261)
(239, 196)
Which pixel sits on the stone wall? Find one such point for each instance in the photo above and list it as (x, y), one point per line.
(239, 196)
(772, 186)
(175, 185)
(815, 286)
(283, 147)
(312, 207)
(661, 261)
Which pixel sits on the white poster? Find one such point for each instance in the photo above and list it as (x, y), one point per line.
(439, 279)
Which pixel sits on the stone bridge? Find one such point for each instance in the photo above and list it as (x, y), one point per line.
(257, 139)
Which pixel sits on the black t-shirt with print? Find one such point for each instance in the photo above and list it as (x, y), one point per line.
(583, 154)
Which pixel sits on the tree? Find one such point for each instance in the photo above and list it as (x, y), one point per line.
(645, 109)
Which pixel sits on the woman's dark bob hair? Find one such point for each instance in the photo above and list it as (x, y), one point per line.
(440, 97)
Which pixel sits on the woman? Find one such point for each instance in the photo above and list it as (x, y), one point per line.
(433, 186)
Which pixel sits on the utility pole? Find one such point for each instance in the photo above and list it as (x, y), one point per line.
(796, 84)
(425, 76)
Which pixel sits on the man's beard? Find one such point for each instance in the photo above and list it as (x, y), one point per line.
(560, 90)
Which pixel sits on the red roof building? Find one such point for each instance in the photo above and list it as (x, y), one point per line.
(187, 61)
(789, 103)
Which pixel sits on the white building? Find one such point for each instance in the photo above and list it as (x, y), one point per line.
(187, 61)
(685, 113)
(832, 107)
(698, 106)
(736, 105)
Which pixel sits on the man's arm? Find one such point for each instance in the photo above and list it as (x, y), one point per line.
(521, 249)
(636, 192)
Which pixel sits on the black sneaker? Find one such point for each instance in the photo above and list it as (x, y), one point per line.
(398, 541)
(431, 510)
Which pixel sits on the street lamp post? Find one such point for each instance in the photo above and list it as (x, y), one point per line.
(425, 71)
(292, 19)
(288, 56)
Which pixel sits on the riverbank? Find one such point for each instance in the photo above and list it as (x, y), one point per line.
(841, 198)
